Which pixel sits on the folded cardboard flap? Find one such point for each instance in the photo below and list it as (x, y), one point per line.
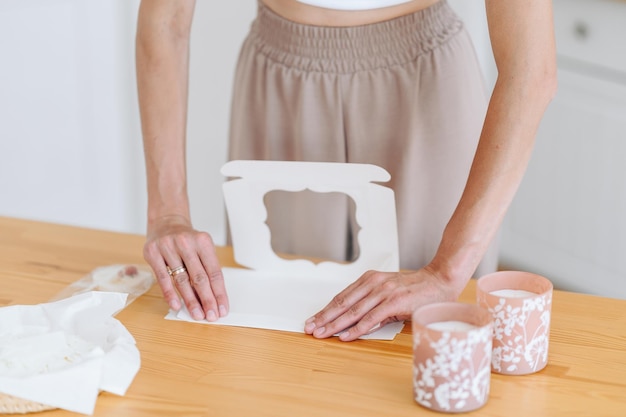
(375, 214)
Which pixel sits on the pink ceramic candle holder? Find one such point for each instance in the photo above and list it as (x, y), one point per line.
(451, 356)
(520, 303)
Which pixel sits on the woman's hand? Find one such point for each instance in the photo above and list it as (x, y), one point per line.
(378, 298)
(171, 243)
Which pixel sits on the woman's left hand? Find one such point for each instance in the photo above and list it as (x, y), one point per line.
(378, 298)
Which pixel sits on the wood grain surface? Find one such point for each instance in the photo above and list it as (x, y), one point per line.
(197, 370)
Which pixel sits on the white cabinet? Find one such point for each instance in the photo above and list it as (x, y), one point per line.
(568, 220)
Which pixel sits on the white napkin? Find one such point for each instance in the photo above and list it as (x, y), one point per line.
(64, 353)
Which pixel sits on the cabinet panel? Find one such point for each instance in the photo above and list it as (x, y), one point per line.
(592, 32)
(568, 219)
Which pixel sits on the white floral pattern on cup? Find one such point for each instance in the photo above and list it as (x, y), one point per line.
(515, 340)
(449, 378)
(452, 369)
(521, 328)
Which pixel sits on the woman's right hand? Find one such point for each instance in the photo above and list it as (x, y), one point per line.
(171, 243)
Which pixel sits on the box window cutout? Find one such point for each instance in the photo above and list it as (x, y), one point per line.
(245, 197)
(318, 225)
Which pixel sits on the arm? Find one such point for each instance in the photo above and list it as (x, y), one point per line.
(522, 38)
(523, 46)
(162, 64)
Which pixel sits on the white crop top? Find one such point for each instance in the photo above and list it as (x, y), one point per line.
(353, 4)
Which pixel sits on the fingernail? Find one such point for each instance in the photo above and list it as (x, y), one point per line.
(309, 327)
(210, 315)
(223, 311)
(196, 313)
(175, 304)
(309, 320)
(344, 335)
(319, 332)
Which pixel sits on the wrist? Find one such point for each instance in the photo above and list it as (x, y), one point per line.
(167, 198)
(166, 223)
(174, 218)
(455, 263)
(162, 211)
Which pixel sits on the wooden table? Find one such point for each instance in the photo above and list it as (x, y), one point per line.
(197, 370)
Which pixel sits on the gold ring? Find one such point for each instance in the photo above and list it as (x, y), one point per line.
(176, 271)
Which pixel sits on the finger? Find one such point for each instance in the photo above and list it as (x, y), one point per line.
(157, 263)
(199, 282)
(188, 247)
(211, 264)
(216, 281)
(177, 251)
(370, 322)
(181, 279)
(186, 291)
(349, 318)
(340, 304)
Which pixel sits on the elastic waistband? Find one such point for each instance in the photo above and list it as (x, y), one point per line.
(357, 48)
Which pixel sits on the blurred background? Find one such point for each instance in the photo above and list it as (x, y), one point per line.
(71, 150)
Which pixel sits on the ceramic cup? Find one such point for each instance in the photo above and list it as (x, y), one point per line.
(451, 356)
(520, 303)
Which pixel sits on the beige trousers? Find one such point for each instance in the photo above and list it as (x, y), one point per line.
(405, 94)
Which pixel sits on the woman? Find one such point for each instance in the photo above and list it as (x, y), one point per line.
(394, 83)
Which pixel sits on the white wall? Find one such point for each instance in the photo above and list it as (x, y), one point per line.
(68, 119)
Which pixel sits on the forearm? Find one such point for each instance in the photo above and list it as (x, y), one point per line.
(501, 159)
(525, 86)
(162, 55)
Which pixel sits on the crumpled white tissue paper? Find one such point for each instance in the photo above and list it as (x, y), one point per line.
(64, 353)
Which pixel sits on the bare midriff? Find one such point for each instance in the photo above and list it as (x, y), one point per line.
(317, 16)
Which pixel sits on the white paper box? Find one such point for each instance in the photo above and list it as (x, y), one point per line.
(278, 293)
